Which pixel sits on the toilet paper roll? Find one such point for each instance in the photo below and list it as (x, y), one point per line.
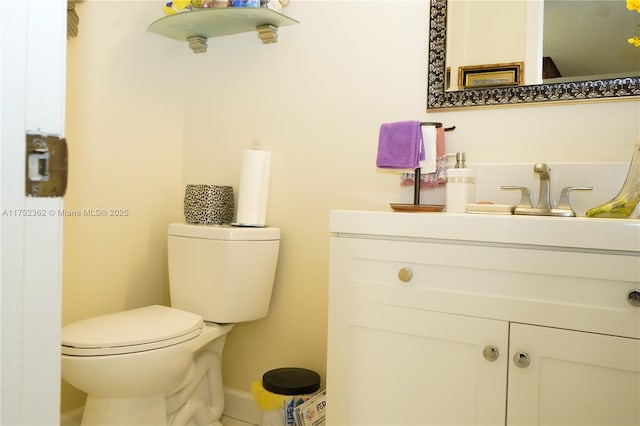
(254, 188)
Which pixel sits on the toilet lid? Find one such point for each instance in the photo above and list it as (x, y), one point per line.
(135, 330)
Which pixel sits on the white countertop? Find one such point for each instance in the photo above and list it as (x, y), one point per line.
(572, 233)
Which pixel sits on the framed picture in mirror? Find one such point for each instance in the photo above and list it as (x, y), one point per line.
(493, 75)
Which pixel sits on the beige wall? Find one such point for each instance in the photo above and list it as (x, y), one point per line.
(124, 127)
(316, 100)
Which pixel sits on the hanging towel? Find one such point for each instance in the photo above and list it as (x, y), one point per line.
(439, 177)
(441, 148)
(430, 137)
(434, 177)
(400, 145)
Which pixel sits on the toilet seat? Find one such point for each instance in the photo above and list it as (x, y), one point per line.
(136, 330)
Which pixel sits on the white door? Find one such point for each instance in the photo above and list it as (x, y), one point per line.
(32, 88)
(572, 378)
(397, 366)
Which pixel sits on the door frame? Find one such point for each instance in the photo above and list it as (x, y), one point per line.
(32, 91)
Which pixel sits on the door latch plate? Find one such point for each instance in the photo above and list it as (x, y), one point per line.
(46, 166)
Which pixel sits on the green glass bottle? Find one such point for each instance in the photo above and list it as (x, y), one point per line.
(628, 198)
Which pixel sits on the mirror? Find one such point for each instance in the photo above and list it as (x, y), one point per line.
(502, 84)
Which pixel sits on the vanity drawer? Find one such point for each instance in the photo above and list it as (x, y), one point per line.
(576, 290)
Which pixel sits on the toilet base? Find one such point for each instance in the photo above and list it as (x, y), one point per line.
(199, 399)
(125, 411)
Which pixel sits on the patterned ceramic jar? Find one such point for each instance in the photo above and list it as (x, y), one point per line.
(208, 204)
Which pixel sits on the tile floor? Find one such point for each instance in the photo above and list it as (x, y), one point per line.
(229, 421)
(226, 421)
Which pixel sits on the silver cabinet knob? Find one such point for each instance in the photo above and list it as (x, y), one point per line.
(521, 359)
(634, 297)
(405, 275)
(490, 353)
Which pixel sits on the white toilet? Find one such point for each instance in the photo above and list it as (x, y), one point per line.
(160, 365)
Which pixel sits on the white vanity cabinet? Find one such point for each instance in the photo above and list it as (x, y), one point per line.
(572, 378)
(475, 319)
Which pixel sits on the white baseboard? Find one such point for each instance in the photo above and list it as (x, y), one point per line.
(241, 405)
(238, 404)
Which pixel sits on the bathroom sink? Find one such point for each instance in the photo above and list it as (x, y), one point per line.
(620, 235)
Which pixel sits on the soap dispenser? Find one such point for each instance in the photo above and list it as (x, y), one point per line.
(460, 186)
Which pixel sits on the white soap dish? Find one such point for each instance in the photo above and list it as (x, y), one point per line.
(490, 208)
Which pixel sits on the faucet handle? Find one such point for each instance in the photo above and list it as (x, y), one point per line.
(564, 207)
(525, 200)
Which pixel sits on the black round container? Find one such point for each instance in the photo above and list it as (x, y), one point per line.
(291, 381)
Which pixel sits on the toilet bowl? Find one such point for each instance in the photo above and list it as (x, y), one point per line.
(136, 379)
(160, 365)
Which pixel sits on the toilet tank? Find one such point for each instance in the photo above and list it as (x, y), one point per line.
(223, 273)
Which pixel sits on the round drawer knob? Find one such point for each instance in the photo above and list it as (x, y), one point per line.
(521, 359)
(634, 297)
(490, 353)
(405, 275)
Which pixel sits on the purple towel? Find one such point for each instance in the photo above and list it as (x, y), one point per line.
(400, 145)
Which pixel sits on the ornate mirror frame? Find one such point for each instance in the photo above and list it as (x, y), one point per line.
(438, 98)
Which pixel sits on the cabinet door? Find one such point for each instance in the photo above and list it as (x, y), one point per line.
(572, 378)
(389, 365)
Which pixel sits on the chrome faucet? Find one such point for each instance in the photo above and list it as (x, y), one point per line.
(544, 206)
(544, 200)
